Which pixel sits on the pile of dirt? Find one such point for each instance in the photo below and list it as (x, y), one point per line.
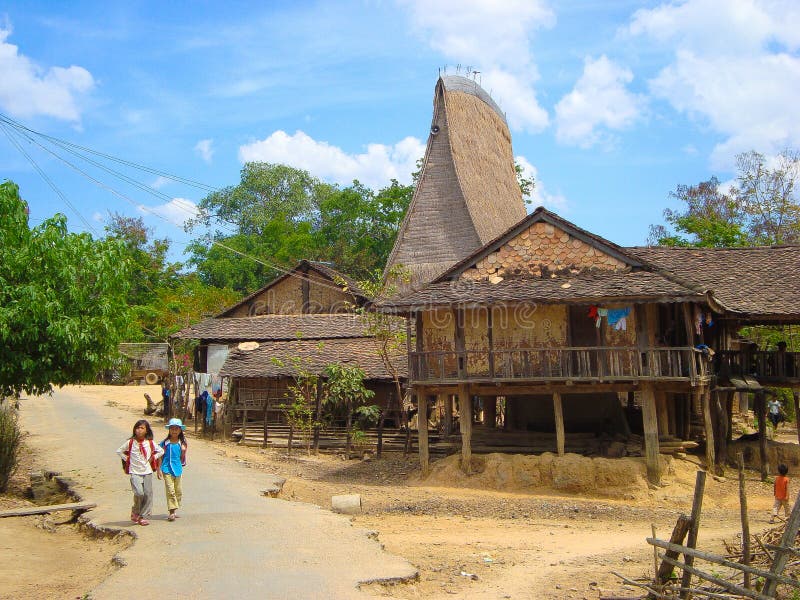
(620, 478)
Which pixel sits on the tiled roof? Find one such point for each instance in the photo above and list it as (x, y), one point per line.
(277, 327)
(277, 359)
(582, 288)
(760, 282)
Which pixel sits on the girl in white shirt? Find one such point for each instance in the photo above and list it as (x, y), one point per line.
(140, 458)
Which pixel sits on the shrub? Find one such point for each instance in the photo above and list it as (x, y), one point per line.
(10, 440)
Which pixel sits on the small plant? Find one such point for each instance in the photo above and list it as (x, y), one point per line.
(10, 441)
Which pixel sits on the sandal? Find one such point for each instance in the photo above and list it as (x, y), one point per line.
(171, 518)
(134, 517)
(143, 521)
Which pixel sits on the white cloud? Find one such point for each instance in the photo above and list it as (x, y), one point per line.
(204, 149)
(177, 211)
(734, 67)
(28, 90)
(160, 182)
(541, 196)
(598, 100)
(374, 168)
(493, 37)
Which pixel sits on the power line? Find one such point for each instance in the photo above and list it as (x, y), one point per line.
(28, 134)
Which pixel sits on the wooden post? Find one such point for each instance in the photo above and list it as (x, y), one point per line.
(721, 433)
(318, 416)
(559, 418)
(422, 431)
(745, 521)
(796, 395)
(687, 417)
(784, 550)
(678, 534)
(650, 426)
(663, 413)
(265, 432)
(490, 411)
(694, 527)
(448, 413)
(709, 426)
(761, 414)
(465, 424)
(244, 426)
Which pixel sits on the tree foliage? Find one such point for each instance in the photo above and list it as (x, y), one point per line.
(278, 215)
(761, 208)
(63, 300)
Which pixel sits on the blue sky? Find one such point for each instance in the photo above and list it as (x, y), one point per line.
(611, 103)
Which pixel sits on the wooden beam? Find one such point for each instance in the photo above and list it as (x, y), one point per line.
(559, 418)
(422, 430)
(677, 537)
(761, 416)
(489, 411)
(709, 427)
(663, 413)
(465, 424)
(26, 511)
(490, 336)
(691, 542)
(447, 399)
(650, 426)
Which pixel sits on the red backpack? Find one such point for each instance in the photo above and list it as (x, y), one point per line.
(126, 462)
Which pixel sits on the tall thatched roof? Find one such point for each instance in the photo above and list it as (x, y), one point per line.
(467, 192)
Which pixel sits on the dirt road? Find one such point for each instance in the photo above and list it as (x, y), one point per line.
(466, 543)
(231, 542)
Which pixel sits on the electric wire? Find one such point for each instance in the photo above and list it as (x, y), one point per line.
(5, 121)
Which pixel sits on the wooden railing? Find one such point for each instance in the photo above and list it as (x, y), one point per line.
(560, 364)
(766, 366)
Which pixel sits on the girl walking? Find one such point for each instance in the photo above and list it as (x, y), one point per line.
(140, 460)
(174, 447)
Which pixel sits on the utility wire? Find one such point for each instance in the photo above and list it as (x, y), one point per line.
(26, 132)
(128, 163)
(44, 176)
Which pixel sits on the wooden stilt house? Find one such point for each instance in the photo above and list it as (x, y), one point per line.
(550, 329)
(304, 315)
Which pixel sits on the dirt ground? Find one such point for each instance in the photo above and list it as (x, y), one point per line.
(524, 527)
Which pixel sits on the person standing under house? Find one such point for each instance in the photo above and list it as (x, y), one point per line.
(781, 492)
(774, 410)
(139, 460)
(174, 447)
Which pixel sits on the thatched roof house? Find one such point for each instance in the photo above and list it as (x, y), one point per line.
(467, 192)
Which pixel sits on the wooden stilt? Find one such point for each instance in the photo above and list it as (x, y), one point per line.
(709, 427)
(465, 424)
(796, 395)
(745, 521)
(559, 418)
(663, 413)
(650, 426)
(490, 411)
(422, 431)
(448, 413)
(687, 417)
(694, 527)
(760, 408)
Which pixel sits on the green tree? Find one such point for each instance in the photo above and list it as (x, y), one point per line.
(762, 208)
(711, 218)
(278, 215)
(346, 391)
(768, 196)
(63, 300)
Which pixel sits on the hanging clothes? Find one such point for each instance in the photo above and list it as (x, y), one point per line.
(615, 314)
(698, 320)
(216, 386)
(601, 312)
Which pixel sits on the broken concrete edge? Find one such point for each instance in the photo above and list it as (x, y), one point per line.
(389, 581)
(87, 526)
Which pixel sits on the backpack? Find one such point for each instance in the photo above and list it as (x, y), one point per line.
(126, 462)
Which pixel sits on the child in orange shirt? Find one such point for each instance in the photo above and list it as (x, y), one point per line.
(781, 492)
